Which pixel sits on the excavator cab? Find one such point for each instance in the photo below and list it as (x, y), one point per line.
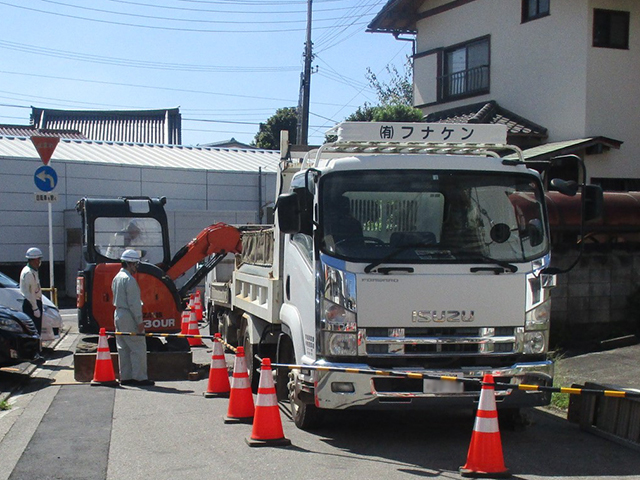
(109, 227)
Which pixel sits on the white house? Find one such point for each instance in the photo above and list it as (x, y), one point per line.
(564, 72)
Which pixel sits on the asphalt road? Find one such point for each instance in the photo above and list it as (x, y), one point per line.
(58, 428)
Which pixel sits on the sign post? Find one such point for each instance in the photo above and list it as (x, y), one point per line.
(46, 180)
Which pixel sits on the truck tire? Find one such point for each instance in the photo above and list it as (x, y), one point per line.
(286, 356)
(253, 366)
(306, 416)
(227, 327)
(212, 318)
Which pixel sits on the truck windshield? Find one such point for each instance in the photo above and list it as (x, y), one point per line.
(113, 235)
(432, 217)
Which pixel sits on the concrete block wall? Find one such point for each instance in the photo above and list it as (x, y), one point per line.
(592, 302)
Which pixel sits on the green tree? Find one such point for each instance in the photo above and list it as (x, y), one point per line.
(268, 135)
(386, 113)
(398, 90)
(395, 98)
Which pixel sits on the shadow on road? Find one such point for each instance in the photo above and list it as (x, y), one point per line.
(427, 444)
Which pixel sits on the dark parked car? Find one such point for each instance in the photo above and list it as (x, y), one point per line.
(19, 340)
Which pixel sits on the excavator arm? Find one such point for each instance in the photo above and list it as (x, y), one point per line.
(218, 239)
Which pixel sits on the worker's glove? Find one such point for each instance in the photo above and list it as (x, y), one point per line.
(36, 313)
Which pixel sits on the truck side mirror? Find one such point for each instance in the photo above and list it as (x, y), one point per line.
(568, 188)
(288, 209)
(593, 202)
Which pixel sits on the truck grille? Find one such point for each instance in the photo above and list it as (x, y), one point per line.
(425, 342)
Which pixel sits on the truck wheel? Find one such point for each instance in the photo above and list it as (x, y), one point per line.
(253, 366)
(286, 356)
(227, 328)
(212, 318)
(306, 416)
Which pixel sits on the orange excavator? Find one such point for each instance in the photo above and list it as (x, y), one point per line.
(112, 225)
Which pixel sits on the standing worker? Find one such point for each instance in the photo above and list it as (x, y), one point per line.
(132, 350)
(30, 289)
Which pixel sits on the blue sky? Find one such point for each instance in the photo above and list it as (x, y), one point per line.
(228, 64)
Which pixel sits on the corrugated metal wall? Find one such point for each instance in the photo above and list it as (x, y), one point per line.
(197, 196)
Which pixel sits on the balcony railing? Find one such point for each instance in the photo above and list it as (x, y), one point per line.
(465, 83)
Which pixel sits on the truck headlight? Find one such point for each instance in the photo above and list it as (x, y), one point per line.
(535, 342)
(341, 344)
(10, 325)
(340, 330)
(537, 319)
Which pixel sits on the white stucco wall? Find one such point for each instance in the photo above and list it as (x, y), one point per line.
(547, 71)
(613, 96)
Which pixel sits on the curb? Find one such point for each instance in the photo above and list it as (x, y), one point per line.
(4, 396)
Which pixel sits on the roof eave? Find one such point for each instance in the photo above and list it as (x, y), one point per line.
(396, 17)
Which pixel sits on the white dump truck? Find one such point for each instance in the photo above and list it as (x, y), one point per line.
(409, 247)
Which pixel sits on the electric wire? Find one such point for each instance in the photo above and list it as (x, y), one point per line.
(156, 27)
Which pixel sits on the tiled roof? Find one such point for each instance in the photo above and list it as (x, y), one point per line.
(490, 112)
(231, 143)
(139, 126)
(30, 130)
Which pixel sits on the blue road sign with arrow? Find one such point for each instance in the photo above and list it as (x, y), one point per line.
(45, 178)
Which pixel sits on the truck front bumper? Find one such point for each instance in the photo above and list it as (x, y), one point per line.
(340, 390)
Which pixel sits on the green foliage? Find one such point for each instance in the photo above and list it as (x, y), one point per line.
(399, 89)
(395, 98)
(397, 113)
(4, 405)
(268, 135)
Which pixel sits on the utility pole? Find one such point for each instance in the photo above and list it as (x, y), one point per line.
(305, 85)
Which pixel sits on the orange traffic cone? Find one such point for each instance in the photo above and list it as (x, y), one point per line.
(103, 373)
(194, 330)
(241, 406)
(218, 374)
(184, 321)
(267, 425)
(485, 452)
(198, 304)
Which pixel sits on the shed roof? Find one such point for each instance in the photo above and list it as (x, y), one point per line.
(566, 147)
(148, 155)
(29, 130)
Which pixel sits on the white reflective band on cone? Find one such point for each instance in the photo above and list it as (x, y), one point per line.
(267, 400)
(487, 400)
(240, 382)
(486, 425)
(103, 355)
(218, 362)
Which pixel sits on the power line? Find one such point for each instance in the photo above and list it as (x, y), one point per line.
(155, 27)
(172, 19)
(244, 12)
(126, 62)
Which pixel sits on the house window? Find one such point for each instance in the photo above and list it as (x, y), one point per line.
(610, 29)
(532, 9)
(466, 70)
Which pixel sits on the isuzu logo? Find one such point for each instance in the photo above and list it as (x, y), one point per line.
(442, 316)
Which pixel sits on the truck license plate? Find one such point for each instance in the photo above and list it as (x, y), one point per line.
(442, 386)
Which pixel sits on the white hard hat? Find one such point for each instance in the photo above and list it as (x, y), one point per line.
(33, 253)
(130, 255)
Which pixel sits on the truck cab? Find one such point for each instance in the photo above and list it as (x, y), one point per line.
(401, 248)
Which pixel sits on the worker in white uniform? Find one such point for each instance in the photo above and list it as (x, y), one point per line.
(132, 350)
(30, 289)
